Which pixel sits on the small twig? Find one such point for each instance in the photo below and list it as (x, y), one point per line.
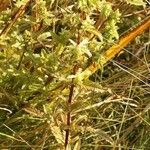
(20, 12)
(20, 61)
(138, 12)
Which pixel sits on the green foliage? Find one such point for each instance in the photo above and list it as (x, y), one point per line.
(41, 56)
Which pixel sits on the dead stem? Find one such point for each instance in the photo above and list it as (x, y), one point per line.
(20, 12)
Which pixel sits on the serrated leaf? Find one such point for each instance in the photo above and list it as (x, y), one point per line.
(84, 48)
(57, 134)
(77, 145)
(68, 147)
(44, 36)
(96, 32)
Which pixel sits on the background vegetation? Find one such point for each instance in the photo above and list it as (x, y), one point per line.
(44, 47)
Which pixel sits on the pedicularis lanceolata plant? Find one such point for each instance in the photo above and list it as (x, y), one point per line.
(45, 45)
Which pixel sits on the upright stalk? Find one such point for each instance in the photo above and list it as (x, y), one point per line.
(69, 102)
(69, 114)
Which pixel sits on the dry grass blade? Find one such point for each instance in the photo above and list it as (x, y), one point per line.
(135, 124)
(109, 100)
